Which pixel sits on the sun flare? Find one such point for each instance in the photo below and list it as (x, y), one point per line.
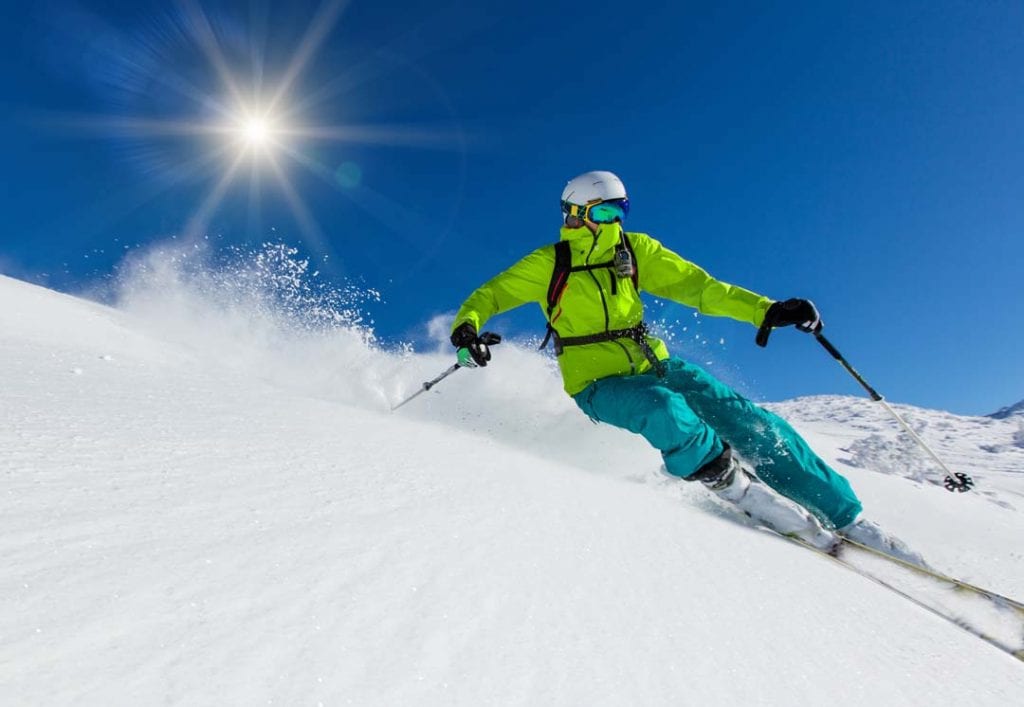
(254, 121)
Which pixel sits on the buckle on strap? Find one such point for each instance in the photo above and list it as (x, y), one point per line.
(636, 333)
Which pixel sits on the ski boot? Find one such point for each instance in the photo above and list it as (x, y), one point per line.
(733, 482)
(871, 535)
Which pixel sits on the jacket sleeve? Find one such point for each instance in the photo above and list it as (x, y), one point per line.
(666, 274)
(526, 281)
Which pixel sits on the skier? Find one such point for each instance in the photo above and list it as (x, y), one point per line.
(589, 287)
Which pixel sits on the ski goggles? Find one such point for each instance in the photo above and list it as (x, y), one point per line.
(599, 211)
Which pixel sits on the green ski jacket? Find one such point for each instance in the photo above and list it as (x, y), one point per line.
(590, 304)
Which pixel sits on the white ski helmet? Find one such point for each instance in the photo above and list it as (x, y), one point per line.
(591, 187)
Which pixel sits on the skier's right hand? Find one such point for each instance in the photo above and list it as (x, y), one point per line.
(473, 351)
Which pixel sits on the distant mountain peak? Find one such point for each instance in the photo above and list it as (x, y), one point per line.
(1011, 411)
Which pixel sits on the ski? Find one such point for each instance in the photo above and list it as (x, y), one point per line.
(958, 584)
(994, 618)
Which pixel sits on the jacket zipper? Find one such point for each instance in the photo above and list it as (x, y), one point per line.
(604, 306)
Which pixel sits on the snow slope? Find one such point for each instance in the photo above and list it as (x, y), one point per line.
(202, 505)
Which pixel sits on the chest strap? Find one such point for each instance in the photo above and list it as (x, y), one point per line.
(636, 333)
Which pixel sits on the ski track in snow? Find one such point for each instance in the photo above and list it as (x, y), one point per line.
(200, 509)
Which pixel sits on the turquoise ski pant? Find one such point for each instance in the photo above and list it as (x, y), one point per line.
(688, 414)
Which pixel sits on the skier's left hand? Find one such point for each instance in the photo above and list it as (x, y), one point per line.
(799, 312)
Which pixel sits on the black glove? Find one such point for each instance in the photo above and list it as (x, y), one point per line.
(465, 337)
(800, 312)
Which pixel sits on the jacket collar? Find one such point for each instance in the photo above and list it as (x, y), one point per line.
(608, 235)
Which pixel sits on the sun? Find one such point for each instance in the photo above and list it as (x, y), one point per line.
(256, 132)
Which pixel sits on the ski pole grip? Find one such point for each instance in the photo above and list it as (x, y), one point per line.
(762, 335)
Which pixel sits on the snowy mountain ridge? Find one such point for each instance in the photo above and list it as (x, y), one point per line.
(865, 436)
(204, 505)
(1015, 410)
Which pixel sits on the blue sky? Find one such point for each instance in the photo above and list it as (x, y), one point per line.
(866, 155)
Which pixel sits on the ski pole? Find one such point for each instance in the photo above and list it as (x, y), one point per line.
(954, 481)
(487, 339)
(428, 385)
